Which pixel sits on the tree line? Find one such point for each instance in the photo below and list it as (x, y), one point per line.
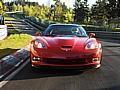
(101, 13)
(57, 12)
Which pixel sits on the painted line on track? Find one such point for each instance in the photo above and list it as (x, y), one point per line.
(8, 78)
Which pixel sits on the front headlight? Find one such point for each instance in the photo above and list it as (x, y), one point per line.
(91, 46)
(38, 44)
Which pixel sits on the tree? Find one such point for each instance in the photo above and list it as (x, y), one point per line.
(1, 7)
(26, 10)
(14, 7)
(112, 8)
(99, 13)
(69, 16)
(81, 11)
(19, 7)
(58, 11)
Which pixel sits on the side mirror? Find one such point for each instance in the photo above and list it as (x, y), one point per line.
(91, 35)
(38, 33)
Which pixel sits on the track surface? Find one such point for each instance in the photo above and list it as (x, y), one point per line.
(106, 78)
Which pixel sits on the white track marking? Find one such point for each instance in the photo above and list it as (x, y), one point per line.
(8, 78)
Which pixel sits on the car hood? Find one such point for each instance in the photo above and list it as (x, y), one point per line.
(66, 41)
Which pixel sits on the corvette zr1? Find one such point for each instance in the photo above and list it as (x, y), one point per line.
(67, 46)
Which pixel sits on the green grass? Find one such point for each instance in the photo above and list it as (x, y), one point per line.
(9, 18)
(10, 25)
(13, 43)
(116, 30)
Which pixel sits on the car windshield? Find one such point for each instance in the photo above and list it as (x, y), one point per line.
(65, 30)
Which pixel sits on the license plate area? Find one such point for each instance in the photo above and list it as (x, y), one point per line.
(65, 61)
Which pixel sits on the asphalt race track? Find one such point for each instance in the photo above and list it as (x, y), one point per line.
(105, 78)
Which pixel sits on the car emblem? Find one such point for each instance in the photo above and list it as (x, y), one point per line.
(66, 50)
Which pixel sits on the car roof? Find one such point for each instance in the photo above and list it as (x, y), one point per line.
(64, 25)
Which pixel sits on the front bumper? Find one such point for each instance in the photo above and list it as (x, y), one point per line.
(69, 60)
(65, 63)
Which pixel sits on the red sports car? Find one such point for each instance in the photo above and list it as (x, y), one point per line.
(67, 46)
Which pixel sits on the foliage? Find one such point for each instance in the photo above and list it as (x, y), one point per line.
(113, 8)
(57, 12)
(81, 11)
(100, 13)
(1, 7)
(104, 10)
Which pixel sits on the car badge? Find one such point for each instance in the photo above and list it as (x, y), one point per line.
(66, 50)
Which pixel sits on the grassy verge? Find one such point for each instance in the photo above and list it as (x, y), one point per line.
(116, 30)
(13, 43)
(9, 18)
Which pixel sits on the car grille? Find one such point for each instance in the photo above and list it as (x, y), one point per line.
(66, 46)
(65, 61)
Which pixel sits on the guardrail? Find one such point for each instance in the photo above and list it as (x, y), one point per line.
(3, 32)
(41, 27)
(99, 34)
(106, 34)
